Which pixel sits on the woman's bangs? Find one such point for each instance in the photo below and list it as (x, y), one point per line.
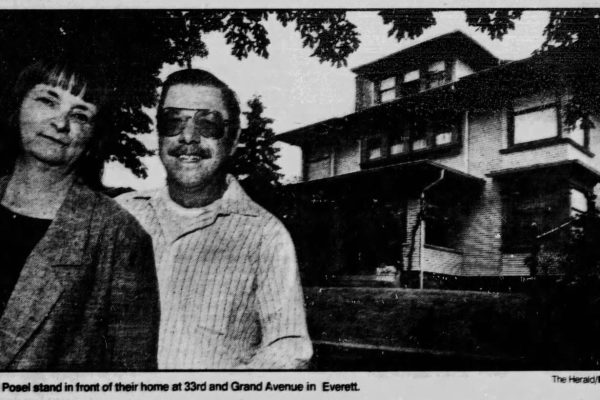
(69, 81)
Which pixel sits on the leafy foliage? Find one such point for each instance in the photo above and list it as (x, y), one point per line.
(575, 35)
(407, 24)
(329, 33)
(495, 23)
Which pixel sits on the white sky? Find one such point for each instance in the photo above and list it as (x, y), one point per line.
(297, 90)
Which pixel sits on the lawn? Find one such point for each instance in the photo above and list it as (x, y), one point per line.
(460, 322)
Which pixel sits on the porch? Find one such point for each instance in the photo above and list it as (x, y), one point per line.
(373, 226)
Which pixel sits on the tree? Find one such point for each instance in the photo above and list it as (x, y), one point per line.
(130, 47)
(254, 161)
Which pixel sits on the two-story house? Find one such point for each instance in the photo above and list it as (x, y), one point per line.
(450, 166)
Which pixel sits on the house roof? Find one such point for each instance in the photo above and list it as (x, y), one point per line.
(450, 45)
(350, 123)
(501, 82)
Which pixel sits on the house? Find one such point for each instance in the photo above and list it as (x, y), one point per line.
(451, 165)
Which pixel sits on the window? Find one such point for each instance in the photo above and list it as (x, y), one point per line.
(387, 89)
(318, 165)
(318, 154)
(373, 148)
(441, 225)
(436, 74)
(369, 91)
(535, 124)
(578, 201)
(435, 133)
(412, 136)
(398, 145)
(443, 138)
(439, 66)
(529, 211)
(420, 143)
(412, 76)
(411, 82)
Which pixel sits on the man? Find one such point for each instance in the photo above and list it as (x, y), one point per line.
(228, 279)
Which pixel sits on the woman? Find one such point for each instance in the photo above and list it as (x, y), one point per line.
(78, 287)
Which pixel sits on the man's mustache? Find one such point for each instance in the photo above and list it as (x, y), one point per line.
(187, 150)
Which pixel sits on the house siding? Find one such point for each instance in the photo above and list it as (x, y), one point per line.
(347, 157)
(412, 211)
(441, 261)
(318, 169)
(483, 223)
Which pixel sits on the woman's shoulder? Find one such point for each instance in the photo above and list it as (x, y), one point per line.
(114, 216)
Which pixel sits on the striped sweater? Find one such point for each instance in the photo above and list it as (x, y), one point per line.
(229, 286)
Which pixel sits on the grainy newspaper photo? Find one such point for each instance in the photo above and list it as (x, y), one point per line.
(333, 192)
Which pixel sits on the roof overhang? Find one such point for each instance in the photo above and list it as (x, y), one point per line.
(356, 124)
(567, 168)
(411, 176)
(502, 83)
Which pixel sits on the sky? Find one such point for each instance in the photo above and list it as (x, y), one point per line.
(297, 90)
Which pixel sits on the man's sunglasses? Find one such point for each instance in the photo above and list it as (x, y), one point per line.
(208, 123)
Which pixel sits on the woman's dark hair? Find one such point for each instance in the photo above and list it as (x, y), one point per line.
(199, 77)
(77, 79)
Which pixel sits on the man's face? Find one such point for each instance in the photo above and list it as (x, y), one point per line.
(190, 158)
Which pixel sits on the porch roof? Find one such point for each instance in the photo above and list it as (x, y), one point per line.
(393, 179)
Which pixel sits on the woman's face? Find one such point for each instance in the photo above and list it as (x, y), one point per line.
(55, 125)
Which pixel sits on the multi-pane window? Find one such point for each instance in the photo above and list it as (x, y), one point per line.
(535, 124)
(412, 136)
(387, 89)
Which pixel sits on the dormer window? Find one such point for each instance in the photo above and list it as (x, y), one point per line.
(387, 89)
(436, 74)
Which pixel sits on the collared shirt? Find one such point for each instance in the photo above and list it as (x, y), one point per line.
(229, 285)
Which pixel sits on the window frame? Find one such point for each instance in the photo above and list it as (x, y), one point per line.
(393, 89)
(548, 207)
(586, 133)
(440, 78)
(529, 110)
(367, 148)
(442, 217)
